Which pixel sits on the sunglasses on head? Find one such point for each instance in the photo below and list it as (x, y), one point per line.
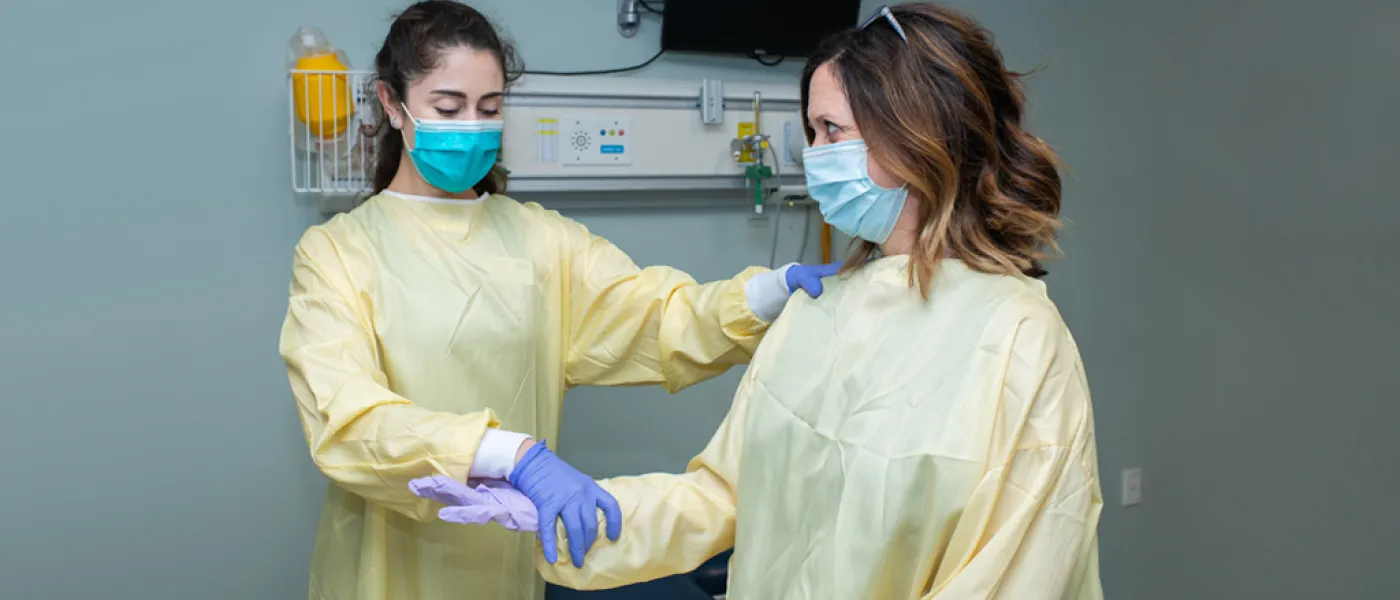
(889, 17)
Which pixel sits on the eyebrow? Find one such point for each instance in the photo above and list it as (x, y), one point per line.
(461, 96)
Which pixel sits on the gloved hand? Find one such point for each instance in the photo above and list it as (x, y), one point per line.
(479, 502)
(809, 277)
(768, 292)
(560, 491)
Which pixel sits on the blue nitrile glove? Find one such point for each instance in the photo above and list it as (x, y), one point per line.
(809, 277)
(768, 292)
(560, 491)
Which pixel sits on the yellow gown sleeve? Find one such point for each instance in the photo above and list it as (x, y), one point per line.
(362, 435)
(1029, 531)
(631, 326)
(671, 524)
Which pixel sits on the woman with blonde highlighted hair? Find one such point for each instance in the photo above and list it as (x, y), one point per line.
(922, 430)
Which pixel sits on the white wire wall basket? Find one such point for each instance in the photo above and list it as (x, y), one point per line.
(331, 121)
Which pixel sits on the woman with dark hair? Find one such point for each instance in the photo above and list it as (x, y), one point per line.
(434, 329)
(923, 430)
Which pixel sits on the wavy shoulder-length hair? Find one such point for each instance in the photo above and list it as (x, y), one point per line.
(942, 112)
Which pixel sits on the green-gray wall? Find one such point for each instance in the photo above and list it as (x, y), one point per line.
(1233, 190)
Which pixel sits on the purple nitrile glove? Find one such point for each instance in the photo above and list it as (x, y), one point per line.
(479, 502)
(809, 277)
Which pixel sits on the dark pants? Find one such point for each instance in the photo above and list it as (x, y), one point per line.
(703, 584)
(679, 587)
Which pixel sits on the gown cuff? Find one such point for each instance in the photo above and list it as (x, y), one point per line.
(768, 293)
(495, 457)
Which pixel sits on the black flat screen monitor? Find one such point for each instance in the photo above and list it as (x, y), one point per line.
(769, 28)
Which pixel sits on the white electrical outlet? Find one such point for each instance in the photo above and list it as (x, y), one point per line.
(1132, 486)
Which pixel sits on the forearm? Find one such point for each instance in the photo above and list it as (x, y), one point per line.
(658, 326)
(372, 443)
(719, 325)
(671, 524)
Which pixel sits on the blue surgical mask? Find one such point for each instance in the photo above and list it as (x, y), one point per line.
(838, 178)
(453, 156)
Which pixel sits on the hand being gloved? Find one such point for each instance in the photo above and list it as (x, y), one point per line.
(809, 277)
(560, 491)
(478, 502)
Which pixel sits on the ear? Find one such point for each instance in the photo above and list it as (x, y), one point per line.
(391, 106)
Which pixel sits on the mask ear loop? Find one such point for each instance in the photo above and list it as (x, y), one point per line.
(407, 114)
(402, 133)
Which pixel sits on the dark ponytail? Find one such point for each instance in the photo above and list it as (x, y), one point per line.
(416, 41)
(388, 150)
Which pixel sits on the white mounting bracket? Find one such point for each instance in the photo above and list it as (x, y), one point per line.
(712, 101)
(628, 18)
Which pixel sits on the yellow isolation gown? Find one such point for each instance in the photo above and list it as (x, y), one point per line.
(414, 326)
(883, 447)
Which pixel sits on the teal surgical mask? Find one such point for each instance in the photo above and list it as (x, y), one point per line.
(454, 156)
(838, 178)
